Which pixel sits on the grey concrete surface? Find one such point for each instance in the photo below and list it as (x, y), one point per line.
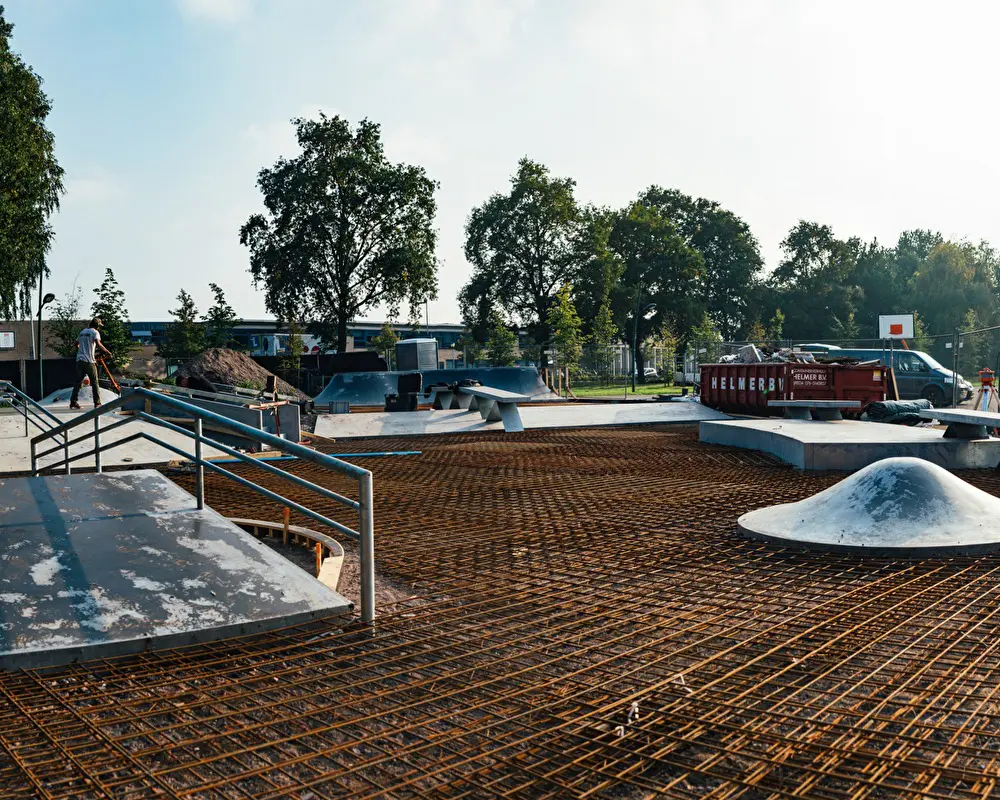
(583, 415)
(847, 444)
(93, 566)
(370, 388)
(896, 506)
(15, 447)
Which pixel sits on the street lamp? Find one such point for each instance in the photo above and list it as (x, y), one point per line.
(42, 302)
(635, 334)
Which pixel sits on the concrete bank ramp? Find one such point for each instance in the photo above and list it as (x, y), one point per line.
(554, 415)
(897, 506)
(370, 388)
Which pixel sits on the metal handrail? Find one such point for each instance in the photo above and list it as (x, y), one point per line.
(365, 536)
(32, 411)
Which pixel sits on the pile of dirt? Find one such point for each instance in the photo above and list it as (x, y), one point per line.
(233, 368)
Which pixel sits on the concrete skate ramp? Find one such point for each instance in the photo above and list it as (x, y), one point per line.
(370, 388)
(897, 506)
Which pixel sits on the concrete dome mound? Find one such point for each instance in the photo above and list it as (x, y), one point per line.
(897, 506)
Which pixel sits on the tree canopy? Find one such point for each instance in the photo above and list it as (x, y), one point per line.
(345, 229)
(522, 247)
(31, 179)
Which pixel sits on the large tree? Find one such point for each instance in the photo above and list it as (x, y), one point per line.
(659, 268)
(345, 229)
(522, 247)
(30, 179)
(731, 254)
(815, 283)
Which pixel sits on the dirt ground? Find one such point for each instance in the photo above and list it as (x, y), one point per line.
(233, 368)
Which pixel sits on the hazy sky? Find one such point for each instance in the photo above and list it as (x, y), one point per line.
(872, 117)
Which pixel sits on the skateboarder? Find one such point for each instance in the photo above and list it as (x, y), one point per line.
(88, 341)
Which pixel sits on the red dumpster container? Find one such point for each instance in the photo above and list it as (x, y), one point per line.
(747, 388)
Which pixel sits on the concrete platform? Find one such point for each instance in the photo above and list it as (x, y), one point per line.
(15, 447)
(93, 566)
(848, 444)
(583, 415)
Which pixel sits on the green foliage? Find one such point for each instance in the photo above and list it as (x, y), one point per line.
(669, 342)
(186, 337)
(345, 230)
(385, 343)
(566, 327)
(756, 333)
(64, 324)
(291, 359)
(729, 252)
(501, 347)
(110, 307)
(31, 180)
(657, 267)
(973, 353)
(470, 348)
(603, 336)
(775, 326)
(220, 320)
(522, 247)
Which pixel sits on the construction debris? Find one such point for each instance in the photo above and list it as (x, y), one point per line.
(233, 368)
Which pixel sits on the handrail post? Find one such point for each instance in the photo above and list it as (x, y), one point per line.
(34, 460)
(367, 543)
(97, 444)
(25, 412)
(69, 467)
(199, 466)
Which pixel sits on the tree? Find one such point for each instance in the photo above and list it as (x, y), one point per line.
(658, 267)
(31, 180)
(815, 281)
(731, 254)
(704, 339)
(604, 334)
(345, 229)
(775, 326)
(565, 324)
(668, 341)
(186, 337)
(385, 343)
(973, 352)
(110, 307)
(522, 247)
(470, 347)
(220, 320)
(756, 333)
(501, 347)
(291, 360)
(64, 323)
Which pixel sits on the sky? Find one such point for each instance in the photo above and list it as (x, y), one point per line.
(873, 118)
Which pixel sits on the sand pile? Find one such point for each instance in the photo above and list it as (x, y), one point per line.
(233, 368)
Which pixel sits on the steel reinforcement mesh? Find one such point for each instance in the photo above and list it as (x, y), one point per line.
(590, 625)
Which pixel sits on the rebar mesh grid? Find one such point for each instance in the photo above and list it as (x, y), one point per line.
(591, 625)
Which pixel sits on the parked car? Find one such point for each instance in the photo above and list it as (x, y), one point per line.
(917, 374)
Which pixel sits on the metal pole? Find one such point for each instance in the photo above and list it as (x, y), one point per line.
(199, 466)
(97, 444)
(956, 343)
(367, 548)
(38, 352)
(635, 335)
(34, 460)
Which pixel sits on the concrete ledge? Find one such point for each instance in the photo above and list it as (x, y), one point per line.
(848, 445)
(333, 551)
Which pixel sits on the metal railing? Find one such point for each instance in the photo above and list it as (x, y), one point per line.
(365, 536)
(33, 412)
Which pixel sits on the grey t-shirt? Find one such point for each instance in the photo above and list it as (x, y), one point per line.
(88, 339)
